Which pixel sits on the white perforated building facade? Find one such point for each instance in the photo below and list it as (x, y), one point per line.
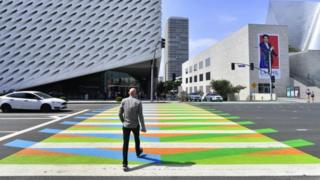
(46, 41)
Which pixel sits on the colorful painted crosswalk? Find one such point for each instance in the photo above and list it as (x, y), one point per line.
(177, 134)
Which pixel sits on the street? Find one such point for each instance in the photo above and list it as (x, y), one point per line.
(183, 140)
(292, 121)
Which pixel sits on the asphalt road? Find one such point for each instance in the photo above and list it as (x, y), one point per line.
(293, 121)
(19, 121)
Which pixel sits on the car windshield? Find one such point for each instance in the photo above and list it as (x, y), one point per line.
(43, 95)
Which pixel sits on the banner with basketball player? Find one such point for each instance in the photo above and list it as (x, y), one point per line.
(269, 55)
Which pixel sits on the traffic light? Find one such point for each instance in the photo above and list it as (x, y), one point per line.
(273, 79)
(163, 43)
(233, 66)
(252, 66)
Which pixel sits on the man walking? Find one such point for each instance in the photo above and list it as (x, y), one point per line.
(131, 116)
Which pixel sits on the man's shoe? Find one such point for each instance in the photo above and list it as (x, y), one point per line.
(140, 153)
(125, 168)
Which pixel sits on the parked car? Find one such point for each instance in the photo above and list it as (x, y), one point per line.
(194, 97)
(211, 97)
(31, 100)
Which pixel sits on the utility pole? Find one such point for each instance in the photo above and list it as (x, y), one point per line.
(270, 74)
(163, 41)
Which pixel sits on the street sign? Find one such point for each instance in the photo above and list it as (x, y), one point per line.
(241, 65)
(254, 85)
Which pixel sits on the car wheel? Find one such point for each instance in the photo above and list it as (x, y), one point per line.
(46, 108)
(6, 108)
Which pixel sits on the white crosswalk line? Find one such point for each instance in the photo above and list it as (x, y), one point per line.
(161, 132)
(162, 145)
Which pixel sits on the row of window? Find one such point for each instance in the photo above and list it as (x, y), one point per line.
(201, 78)
(195, 67)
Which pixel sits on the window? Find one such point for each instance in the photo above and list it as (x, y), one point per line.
(208, 88)
(17, 95)
(195, 67)
(208, 76)
(201, 77)
(201, 88)
(208, 62)
(264, 88)
(190, 90)
(190, 79)
(31, 96)
(187, 80)
(195, 89)
(190, 69)
(195, 79)
(200, 65)
(186, 70)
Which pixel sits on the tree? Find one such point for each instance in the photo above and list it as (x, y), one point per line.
(293, 50)
(224, 88)
(237, 89)
(168, 86)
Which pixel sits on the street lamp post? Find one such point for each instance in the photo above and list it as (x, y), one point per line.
(162, 41)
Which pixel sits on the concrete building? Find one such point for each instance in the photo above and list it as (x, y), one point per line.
(303, 21)
(243, 46)
(100, 48)
(177, 50)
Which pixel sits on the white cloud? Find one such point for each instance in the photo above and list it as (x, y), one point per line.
(227, 18)
(198, 45)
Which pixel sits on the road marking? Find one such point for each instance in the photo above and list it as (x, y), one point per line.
(160, 124)
(173, 114)
(159, 118)
(24, 118)
(156, 145)
(32, 114)
(4, 132)
(158, 170)
(302, 130)
(162, 132)
(39, 126)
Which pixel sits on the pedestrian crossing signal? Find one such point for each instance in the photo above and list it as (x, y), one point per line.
(233, 66)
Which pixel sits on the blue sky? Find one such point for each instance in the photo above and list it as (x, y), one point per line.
(212, 20)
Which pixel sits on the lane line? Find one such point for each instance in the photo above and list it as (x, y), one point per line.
(160, 145)
(159, 170)
(24, 118)
(4, 132)
(39, 126)
(32, 114)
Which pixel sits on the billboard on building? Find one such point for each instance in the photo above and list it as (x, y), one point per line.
(269, 55)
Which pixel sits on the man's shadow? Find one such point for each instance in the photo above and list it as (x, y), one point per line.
(157, 162)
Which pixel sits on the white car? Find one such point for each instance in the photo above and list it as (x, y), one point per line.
(31, 100)
(211, 97)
